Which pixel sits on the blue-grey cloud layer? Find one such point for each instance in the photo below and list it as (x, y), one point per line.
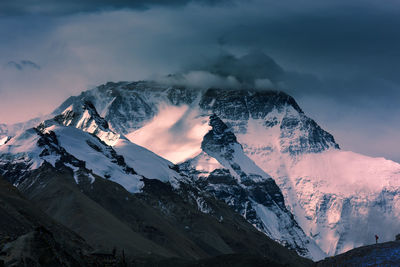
(63, 7)
(340, 59)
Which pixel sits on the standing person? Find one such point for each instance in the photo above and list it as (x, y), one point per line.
(376, 239)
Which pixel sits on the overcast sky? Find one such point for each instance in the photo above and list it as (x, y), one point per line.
(340, 59)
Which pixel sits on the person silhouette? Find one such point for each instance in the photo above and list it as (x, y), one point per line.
(376, 239)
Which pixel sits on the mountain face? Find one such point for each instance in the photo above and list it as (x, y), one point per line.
(269, 205)
(255, 150)
(332, 194)
(85, 152)
(89, 172)
(239, 182)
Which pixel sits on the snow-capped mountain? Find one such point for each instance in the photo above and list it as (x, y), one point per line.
(183, 139)
(255, 150)
(78, 138)
(81, 140)
(333, 194)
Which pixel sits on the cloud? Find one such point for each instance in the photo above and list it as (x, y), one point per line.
(22, 65)
(225, 70)
(338, 58)
(63, 7)
(200, 79)
(246, 69)
(255, 70)
(265, 84)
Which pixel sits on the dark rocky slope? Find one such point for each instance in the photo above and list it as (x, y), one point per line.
(29, 237)
(159, 223)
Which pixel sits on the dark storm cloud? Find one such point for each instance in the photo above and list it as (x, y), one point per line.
(60, 7)
(335, 39)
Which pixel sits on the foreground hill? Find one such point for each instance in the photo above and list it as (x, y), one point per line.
(384, 254)
(29, 237)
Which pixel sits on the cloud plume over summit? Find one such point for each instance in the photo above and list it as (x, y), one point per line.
(225, 70)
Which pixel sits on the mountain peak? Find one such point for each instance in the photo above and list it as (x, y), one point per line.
(85, 116)
(218, 126)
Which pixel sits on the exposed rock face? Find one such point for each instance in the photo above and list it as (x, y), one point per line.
(219, 140)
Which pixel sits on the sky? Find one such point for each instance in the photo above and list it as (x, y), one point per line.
(339, 59)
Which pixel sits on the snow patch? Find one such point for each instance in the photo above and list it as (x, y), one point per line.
(3, 140)
(205, 164)
(202, 205)
(75, 142)
(146, 163)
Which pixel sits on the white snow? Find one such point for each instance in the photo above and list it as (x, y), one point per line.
(202, 205)
(270, 221)
(75, 170)
(87, 123)
(174, 133)
(23, 147)
(205, 164)
(75, 142)
(3, 140)
(145, 162)
(347, 173)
